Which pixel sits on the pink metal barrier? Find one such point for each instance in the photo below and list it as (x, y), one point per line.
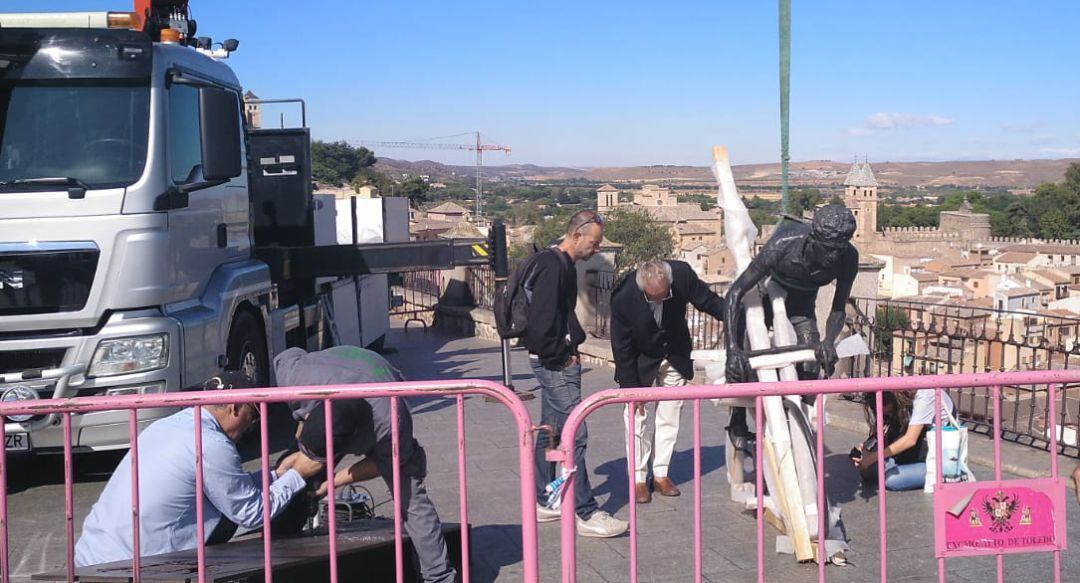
(992, 381)
(328, 394)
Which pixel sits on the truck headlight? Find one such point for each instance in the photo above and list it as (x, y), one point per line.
(130, 355)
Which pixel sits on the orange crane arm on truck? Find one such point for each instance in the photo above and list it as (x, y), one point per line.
(153, 16)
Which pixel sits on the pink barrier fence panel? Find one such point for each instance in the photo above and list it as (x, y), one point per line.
(990, 382)
(262, 397)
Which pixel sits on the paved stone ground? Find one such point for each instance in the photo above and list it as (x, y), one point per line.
(665, 525)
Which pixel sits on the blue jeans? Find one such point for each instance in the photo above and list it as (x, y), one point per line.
(904, 476)
(560, 393)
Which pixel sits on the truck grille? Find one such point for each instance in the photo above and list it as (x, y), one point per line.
(45, 278)
(20, 360)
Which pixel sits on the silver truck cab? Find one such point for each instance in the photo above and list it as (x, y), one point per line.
(125, 247)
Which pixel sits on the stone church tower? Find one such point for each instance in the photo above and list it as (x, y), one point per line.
(607, 198)
(252, 111)
(860, 195)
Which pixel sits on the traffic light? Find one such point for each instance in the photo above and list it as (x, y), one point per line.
(500, 262)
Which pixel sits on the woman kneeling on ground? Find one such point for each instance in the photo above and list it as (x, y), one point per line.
(907, 416)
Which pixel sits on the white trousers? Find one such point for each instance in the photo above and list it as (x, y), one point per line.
(656, 434)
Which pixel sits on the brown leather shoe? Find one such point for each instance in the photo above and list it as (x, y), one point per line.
(665, 487)
(641, 492)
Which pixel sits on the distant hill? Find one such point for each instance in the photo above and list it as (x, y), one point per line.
(988, 173)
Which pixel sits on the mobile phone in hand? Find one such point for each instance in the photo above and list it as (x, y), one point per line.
(855, 454)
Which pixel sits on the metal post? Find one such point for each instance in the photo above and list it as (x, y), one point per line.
(479, 181)
(785, 100)
(356, 278)
(508, 377)
(500, 266)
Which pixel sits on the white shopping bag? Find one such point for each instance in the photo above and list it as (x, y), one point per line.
(954, 454)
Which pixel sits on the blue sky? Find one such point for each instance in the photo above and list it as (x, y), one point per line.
(631, 83)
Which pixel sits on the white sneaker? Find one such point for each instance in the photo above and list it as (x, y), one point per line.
(545, 514)
(601, 525)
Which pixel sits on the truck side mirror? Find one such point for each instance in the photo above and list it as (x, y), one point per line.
(219, 119)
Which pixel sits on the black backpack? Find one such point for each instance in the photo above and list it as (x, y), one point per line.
(512, 299)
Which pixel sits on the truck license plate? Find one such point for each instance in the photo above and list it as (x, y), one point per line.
(17, 442)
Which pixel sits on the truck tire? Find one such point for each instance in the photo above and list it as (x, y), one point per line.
(247, 349)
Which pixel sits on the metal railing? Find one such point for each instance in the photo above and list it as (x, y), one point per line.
(917, 338)
(456, 390)
(706, 332)
(601, 285)
(415, 293)
(481, 282)
(982, 382)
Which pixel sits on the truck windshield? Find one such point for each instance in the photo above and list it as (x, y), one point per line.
(93, 132)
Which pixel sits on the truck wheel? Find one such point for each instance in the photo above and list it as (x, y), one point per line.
(247, 349)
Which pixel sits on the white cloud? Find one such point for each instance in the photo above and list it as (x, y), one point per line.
(1022, 127)
(882, 121)
(860, 131)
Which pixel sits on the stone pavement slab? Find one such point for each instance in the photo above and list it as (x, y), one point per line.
(665, 526)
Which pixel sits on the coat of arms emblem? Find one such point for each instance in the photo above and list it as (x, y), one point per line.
(999, 510)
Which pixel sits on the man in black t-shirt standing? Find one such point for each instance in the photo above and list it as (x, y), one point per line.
(552, 338)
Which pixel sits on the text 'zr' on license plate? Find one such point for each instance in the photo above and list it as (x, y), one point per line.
(17, 442)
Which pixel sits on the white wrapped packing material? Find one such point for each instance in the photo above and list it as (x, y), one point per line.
(791, 476)
(715, 371)
(854, 345)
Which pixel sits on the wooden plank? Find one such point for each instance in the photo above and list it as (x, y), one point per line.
(789, 500)
(734, 465)
(775, 521)
(244, 558)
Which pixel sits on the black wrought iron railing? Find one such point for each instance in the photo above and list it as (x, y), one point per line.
(600, 285)
(414, 292)
(481, 283)
(705, 331)
(917, 338)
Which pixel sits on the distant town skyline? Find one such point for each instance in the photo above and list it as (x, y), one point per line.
(587, 85)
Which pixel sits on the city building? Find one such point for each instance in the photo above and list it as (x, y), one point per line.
(450, 212)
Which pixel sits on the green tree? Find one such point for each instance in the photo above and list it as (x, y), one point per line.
(549, 229)
(496, 204)
(763, 217)
(1054, 225)
(1072, 178)
(415, 189)
(516, 253)
(804, 199)
(337, 163)
(370, 176)
(887, 320)
(1000, 225)
(1021, 219)
(642, 237)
